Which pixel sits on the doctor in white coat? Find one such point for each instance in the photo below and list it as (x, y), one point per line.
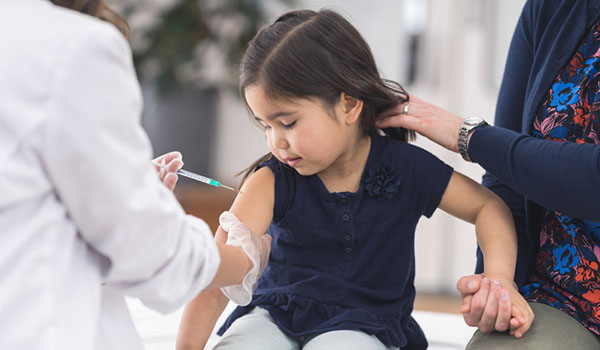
(84, 217)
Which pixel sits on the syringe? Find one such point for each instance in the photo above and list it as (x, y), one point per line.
(198, 177)
(204, 179)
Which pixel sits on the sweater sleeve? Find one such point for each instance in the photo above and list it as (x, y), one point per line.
(564, 177)
(97, 157)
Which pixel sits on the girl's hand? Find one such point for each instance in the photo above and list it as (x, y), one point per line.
(167, 166)
(491, 307)
(433, 122)
(522, 315)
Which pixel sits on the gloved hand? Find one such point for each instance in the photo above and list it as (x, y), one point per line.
(257, 247)
(167, 166)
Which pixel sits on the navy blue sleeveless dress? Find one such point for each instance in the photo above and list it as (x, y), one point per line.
(345, 261)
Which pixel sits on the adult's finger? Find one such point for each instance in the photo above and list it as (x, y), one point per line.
(170, 181)
(504, 312)
(469, 284)
(478, 304)
(401, 121)
(162, 173)
(413, 108)
(167, 157)
(487, 322)
(174, 165)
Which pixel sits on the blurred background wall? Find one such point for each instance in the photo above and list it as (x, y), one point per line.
(449, 52)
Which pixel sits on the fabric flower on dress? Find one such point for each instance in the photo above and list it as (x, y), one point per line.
(382, 182)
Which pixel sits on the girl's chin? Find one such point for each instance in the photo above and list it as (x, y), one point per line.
(304, 171)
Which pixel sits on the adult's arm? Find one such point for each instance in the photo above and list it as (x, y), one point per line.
(522, 162)
(564, 177)
(98, 159)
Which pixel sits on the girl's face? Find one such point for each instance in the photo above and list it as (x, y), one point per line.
(302, 132)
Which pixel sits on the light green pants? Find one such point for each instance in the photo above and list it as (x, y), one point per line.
(552, 329)
(257, 331)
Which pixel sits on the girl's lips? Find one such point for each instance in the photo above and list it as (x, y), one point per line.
(293, 161)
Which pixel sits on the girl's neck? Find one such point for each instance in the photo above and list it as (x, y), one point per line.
(345, 174)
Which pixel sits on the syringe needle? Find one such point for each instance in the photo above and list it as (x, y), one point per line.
(230, 188)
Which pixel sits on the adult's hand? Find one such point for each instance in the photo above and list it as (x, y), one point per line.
(167, 166)
(256, 247)
(433, 122)
(482, 305)
(488, 305)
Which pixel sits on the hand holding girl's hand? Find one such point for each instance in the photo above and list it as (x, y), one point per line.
(431, 121)
(167, 166)
(491, 307)
(482, 305)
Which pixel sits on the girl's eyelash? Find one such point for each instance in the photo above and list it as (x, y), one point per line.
(286, 126)
(290, 125)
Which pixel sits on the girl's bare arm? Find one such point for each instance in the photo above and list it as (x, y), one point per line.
(494, 226)
(254, 207)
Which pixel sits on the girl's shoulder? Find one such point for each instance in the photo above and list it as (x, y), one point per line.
(406, 154)
(272, 163)
(421, 177)
(285, 185)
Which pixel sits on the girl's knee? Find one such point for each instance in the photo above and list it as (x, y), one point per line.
(255, 331)
(344, 340)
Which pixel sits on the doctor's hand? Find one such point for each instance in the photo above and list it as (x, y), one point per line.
(494, 305)
(167, 166)
(256, 246)
(433, 122)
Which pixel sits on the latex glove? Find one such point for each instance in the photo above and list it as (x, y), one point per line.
(257, 247)
(167, 166)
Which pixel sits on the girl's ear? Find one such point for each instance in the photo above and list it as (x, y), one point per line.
(350, 107)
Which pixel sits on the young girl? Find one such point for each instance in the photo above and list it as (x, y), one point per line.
(341, 200)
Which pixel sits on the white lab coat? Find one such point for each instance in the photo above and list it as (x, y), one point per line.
(84, 219)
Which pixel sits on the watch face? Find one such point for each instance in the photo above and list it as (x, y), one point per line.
(473, 121)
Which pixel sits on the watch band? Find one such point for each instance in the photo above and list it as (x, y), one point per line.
(463, 135)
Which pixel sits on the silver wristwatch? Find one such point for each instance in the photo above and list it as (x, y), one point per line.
(465, 129)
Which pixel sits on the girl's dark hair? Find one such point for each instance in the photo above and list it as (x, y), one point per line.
(98, 9)
(309, 54)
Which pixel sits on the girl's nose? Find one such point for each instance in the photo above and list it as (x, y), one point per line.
(279, 140)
